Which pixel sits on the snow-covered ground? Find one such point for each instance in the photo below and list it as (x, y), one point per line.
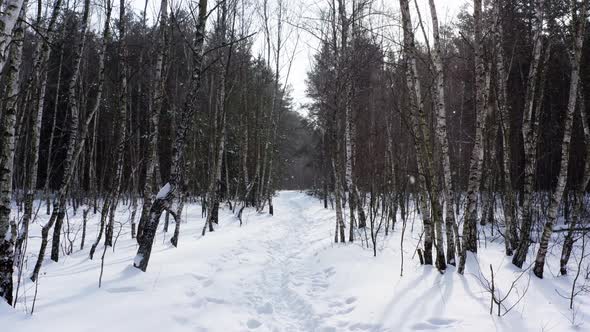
(282, 273)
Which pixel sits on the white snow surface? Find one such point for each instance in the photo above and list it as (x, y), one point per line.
(280, 273)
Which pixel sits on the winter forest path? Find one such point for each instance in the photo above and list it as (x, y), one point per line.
(273, 273)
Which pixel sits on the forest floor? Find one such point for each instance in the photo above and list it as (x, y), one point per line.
(284, 273)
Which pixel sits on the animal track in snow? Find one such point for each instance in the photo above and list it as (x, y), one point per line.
(265, 309)
(215, 300)
(123, 289)
(253, 324)
(350, 300)
(364, 327)
(434, 323)
(198, 276)
(329, 272)
(345, 311)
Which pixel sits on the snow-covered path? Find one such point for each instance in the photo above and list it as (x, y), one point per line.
(275, 273)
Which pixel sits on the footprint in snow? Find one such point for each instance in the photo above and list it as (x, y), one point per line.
(350, 300)
(265, 309)
(434, 323)
(198, 303)
(329, 272)
(345, 311)
(364, 327)
(441, 321)
(123, 289)
(180, 320)
(197, 276)
(215, 300)
(253, 324)
(320, 284)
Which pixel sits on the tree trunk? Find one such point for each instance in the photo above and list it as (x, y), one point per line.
(8, 20)
(424, 151)
(7, 144)
(168, 192)
(121, 134)
(453, 240)
(70, 162)
(152, 147)
(530, 140)
(576, 55)
(568, 242)
(74, 151)
(508, 200)
(475, 165)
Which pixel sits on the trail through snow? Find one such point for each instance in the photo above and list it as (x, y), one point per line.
(276, 273)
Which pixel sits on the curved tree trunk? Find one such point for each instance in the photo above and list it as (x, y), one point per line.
(152, 153)
(168, 193)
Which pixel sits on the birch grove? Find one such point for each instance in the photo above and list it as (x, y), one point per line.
(459, 136)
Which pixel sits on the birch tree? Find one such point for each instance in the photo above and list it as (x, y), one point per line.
(154, 116)
(475, 166)
(74, 117)
(74, 150)
(169, 191)
(121, 130)
(9, 14)
(423, 148)
(7, 142)
(530, 137)
(579, 22)
(569, 240)
(452, 232)
(38, 84)
(508, 199)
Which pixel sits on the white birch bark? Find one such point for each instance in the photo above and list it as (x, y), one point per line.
(576, 55)
(7, 144)
(475, 165)
(530, 139)
(168, 193)
(121, 130)
(70, 162)
(453, 240)
(152, 155)
(76, 149)
(38, 84)
(9, 13)
(421, 144)
(508, 199)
